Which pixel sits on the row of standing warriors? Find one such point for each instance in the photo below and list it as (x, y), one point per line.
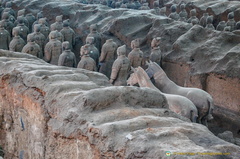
(54, 44)
(206, 20)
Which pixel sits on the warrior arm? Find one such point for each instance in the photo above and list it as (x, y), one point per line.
(103, 54)
(39, 54)
(47, 53)
(11, 46)
(73, 38)
(130, 57)
(115, 69)
(61, 60)
(25, 49)
(8, 40)
(74, 62)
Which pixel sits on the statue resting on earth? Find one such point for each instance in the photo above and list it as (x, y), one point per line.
(201, 99)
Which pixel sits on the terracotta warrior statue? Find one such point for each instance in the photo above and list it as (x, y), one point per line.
(163, 11)
(183, 13)
(31, 19)
(17, 42)
(39, 16)
(136, 55)
(11, 17)
(86, 61)
(32, 48)
(238, 25)
(39, 38)
(107, 57)
(209, 23)
(174, 15)
(53, 49)
(68, 33)
(67, 58)
(156, 55)
(221, 26)
(43, 28)
(21, 13)
(8, 24)
(94, 53)
(94, 33)
(121, 68)
(59, 34)
(203, 20)
(227, 29)
(4, 38)
(193, 16)
(9, 6)
(23, 29)
(58, 25)
(156, 7)
(231, 22)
